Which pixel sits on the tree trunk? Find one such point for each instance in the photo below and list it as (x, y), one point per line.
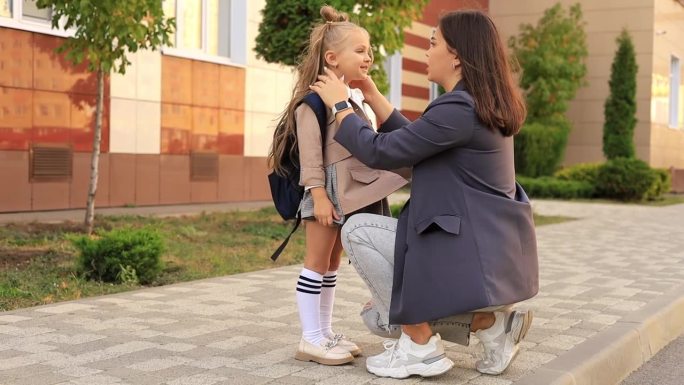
(95, 159)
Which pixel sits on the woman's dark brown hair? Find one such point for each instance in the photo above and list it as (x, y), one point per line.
(473, 37)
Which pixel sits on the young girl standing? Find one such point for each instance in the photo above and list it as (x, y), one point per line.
(337, 185)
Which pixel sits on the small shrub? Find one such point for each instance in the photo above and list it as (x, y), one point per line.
(539, 148)
(661, 185)
(583, 172)
(625, 179)
(548, 187)
(123, 255)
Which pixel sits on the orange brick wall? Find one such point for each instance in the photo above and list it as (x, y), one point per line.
(202, 107)
(44, 98)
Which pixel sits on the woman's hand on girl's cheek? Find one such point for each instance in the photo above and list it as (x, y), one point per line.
(367, 86)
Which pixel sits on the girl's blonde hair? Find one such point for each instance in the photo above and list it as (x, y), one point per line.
(325, 36)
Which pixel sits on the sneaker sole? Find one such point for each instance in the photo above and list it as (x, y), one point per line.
(519, 336)
(421, 369)
(525, 326)
(301, 356)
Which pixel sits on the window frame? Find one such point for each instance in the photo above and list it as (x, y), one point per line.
(393, 68)
(675, 92)
(237, 55)
(17, 20)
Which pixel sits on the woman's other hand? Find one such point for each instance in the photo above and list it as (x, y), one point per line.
(368, 87)
(324, 211)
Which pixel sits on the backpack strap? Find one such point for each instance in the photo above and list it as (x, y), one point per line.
(316, 103)
(280, 248)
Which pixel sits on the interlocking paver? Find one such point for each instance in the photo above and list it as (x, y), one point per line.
(243, 329)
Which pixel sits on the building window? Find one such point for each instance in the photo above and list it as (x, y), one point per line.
(25, 15)
(675, 80)
(5, 8)
(29, 9)
(212, 30)
(393, 70)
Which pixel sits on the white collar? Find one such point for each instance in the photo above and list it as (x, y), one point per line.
(355, 95)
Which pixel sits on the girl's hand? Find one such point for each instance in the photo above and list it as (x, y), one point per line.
(330, 88)
(324, 211)
(368, 87)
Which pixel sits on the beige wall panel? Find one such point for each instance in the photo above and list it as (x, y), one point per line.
(413, 104)
(517, 7)
(582, 154)
(148, 127)
(587, 111)
(148, 74)
(599, 66)
(420, 29)
(123, 126)
(603, 43)
(258, 133)
(615, 19)
(414, 79)
(586, 134)
(598, 87)
(413, 53)
(667, 147)
(259, 85)
(125, 86)
(285, 82)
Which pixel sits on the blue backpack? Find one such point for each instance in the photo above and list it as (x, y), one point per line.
(285, 190)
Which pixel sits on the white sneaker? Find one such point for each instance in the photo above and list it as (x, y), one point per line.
(327, 353)
(501, 340)
(404, 357)
(345, 343)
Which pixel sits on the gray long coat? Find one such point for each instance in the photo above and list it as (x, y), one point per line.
(466, 239)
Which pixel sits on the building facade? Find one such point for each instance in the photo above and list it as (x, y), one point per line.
(657, 29)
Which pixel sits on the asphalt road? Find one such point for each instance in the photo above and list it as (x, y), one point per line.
(665, 368)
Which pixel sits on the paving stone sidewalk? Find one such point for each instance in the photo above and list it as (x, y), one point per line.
(243, 329)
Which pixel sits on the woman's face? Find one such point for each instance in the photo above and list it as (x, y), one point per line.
(353, 58)
(440, 60)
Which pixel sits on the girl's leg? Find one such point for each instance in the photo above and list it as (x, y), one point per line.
(328, 289)
(320, 241)
(328, 300)
(314, 346)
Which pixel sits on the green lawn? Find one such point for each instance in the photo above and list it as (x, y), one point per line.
(37, 263)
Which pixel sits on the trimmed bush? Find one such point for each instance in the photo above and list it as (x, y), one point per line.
(123, 255)
(583, 172)
(539, 148)
(662, 184)
(620, 107)
(625, 179)
(548, 187)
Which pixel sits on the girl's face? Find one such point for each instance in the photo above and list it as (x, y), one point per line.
(439, 59)
(353, 58)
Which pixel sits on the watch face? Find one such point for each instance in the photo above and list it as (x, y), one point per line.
(341, 105)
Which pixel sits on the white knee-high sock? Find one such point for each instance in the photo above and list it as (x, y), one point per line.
(327, 302)
(309, 304)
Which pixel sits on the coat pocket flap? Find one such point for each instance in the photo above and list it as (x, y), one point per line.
(449, 223)
(364, 175)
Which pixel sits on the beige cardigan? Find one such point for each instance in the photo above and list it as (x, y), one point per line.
(358, 185)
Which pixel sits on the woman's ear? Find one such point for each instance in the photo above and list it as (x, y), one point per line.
(330, 59)
(456, 62)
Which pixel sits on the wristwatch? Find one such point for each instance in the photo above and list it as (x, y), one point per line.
(340, 106)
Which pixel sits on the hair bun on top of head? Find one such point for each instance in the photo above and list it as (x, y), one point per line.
(331, 15)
